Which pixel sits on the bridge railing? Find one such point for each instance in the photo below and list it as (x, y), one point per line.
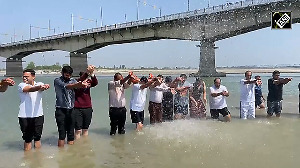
(183, 15)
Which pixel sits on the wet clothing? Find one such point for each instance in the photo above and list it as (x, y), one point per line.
(117, 110)
(275, 91)
(181, 99)
(247, 100)
(197, 109)
(31, 117)
(258, 95)
(274, 100)
(274, 107)
(117, 117)
(116, 92)
(215, 112)
(137, 116)
(83, 103)
(65, 121)
(155, 110)
(167, 106)
(83, 118)
(32, 128)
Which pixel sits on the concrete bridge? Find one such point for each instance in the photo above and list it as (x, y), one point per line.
(205, 25)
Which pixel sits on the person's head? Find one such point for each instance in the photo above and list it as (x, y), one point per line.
(28, 76)
(258, 80)
(160, 78)
(66, 72)
(118, 76)
(143, 80)
(276, 74)
(257, 77)
(183, 77)
(217, 82)
(248, 75)
(168, 79)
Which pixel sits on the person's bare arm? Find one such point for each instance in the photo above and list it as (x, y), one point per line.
(29, 88)
(204, 93)
(4, 83)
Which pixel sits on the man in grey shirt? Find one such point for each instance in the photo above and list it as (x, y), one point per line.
(65, 97)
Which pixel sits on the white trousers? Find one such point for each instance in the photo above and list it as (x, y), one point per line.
(247, 110)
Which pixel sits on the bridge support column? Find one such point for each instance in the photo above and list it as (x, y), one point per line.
(78, 61)
(207, 66)
(14, 68)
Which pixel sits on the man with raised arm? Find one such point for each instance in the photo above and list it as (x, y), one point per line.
(217, 101)
(65, 98)
(117, 103)
(31, 117)
(247, 98)
(274, 99)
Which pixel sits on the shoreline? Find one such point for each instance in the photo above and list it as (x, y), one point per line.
(145, 72)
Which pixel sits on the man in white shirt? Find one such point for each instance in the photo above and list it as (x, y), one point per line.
(247, 98)
(217, 101)
(31, 117)
(4, 83)
(117, 102)
(138, 100)
(155, 99)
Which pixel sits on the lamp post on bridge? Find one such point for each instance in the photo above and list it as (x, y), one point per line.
(43, 28)
(81, 18)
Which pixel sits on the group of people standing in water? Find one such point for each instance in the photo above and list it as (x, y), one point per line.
(168, 100)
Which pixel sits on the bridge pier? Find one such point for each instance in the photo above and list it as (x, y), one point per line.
(78, 61)
(14, 67)
(207, 66)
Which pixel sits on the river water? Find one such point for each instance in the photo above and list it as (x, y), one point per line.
(257, 143)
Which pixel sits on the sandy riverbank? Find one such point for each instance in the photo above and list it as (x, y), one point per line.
(140, 72)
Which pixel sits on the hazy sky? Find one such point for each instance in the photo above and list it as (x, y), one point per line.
(262, 47)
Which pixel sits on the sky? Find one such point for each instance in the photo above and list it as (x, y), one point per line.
(261, 47)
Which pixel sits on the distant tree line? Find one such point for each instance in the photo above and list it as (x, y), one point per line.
(54, 67)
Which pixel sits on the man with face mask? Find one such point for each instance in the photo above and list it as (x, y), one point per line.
(65, 98)
(31, 117)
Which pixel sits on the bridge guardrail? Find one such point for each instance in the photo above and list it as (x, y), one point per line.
(183, 15)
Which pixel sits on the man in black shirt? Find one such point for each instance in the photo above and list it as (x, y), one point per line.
(275, 86)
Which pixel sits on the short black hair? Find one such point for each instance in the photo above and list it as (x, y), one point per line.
(183, 76)
(144, 79)
(276, 72)
(117, 74)
(160, 76)
(257, 76)
(216, 79)
(32, 72)
(67, 69)
(168, 79)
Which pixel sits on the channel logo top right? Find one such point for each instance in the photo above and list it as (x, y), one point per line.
(281, 20)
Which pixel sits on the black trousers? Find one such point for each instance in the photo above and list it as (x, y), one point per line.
(65, 120)
(117, 117)
(32, 128)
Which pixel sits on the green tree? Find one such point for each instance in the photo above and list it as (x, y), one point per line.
(30, 65)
